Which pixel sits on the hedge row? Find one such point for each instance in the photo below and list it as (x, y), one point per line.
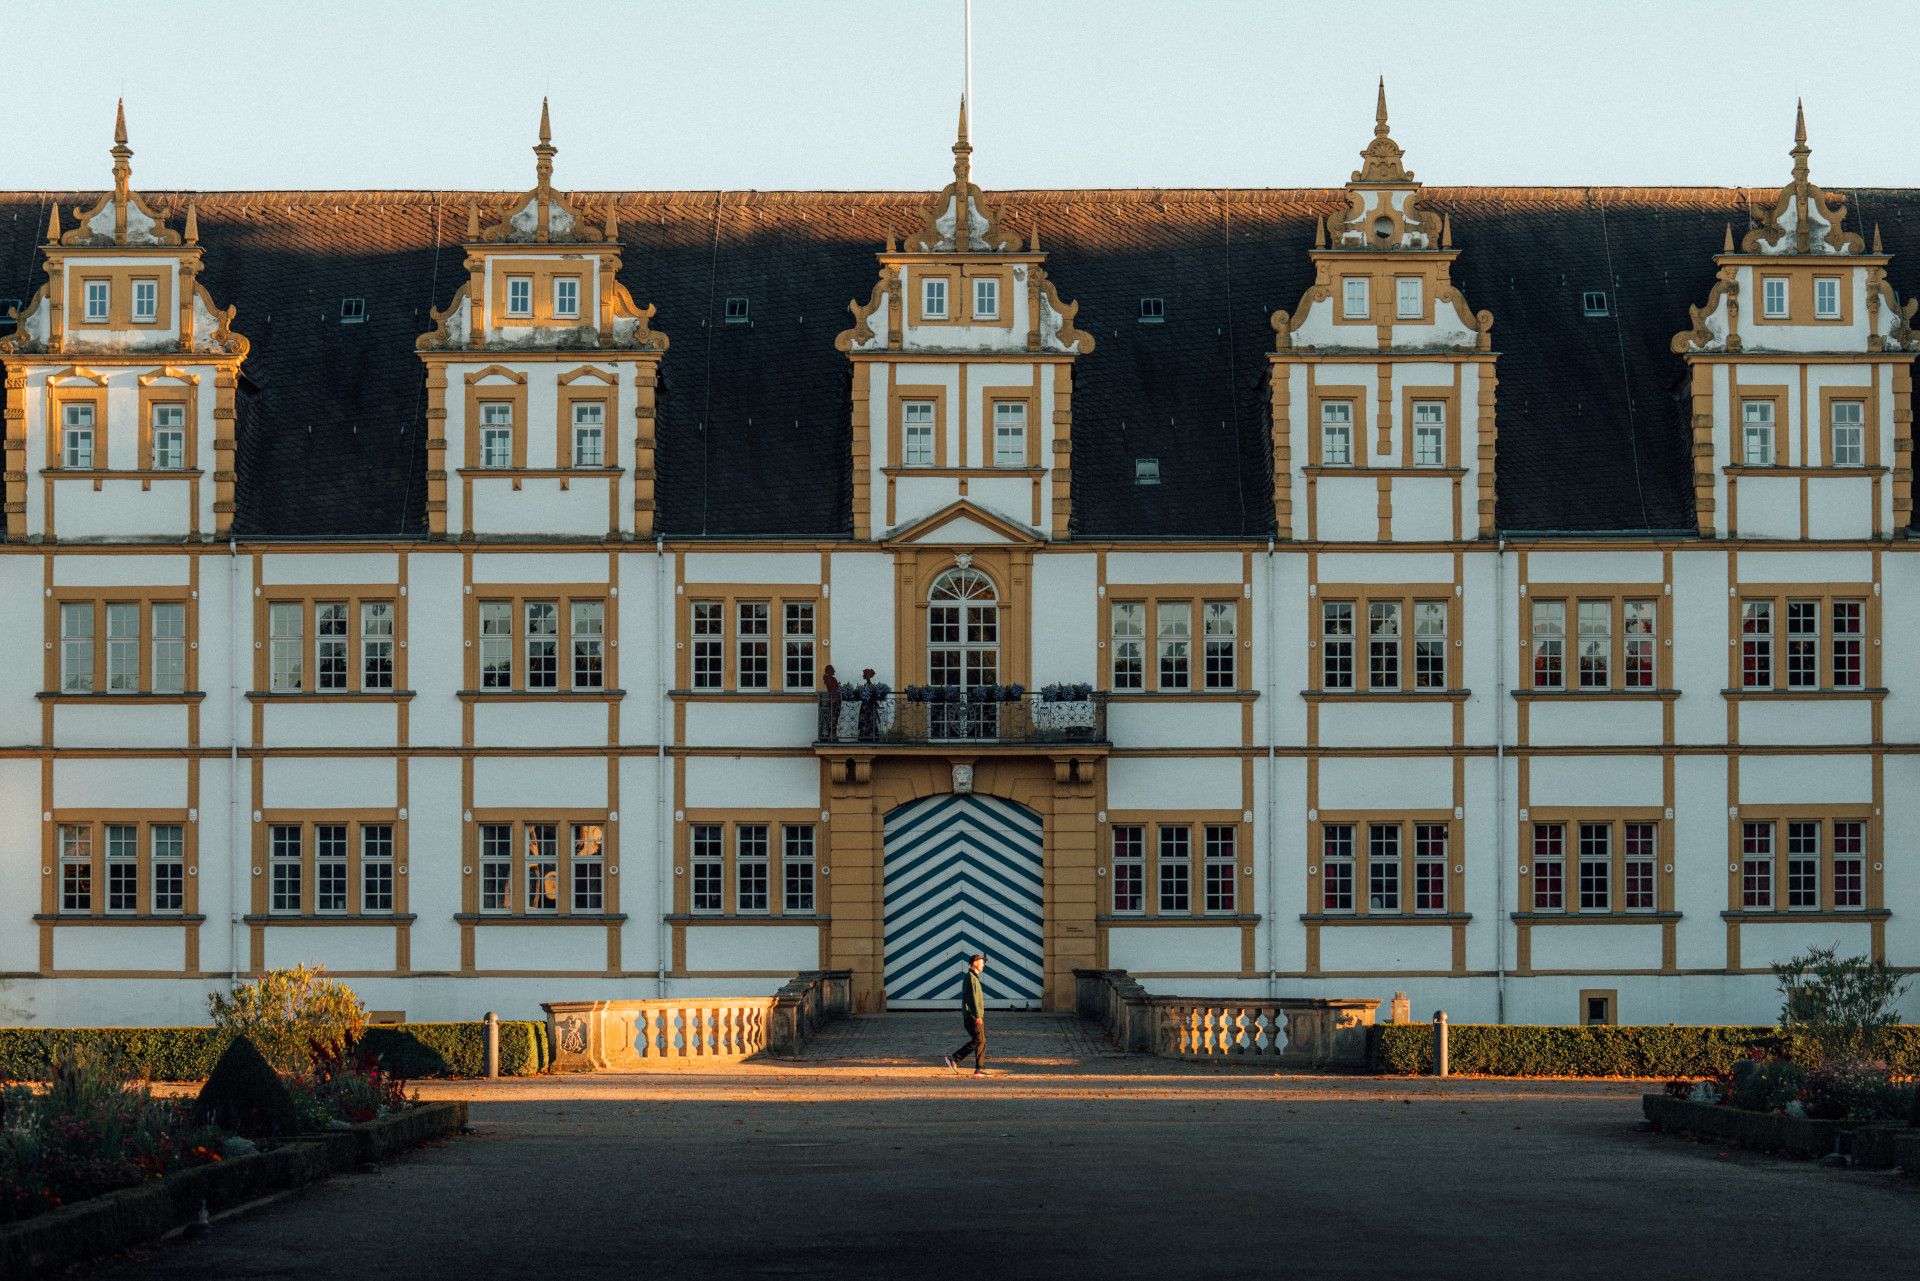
(1490, 1050)
(188, 1053)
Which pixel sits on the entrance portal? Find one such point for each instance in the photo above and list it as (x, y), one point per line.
(963, 874)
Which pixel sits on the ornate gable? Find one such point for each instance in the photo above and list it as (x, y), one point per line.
(1804, 219)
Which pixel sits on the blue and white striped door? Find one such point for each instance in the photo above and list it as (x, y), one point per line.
(963, 875)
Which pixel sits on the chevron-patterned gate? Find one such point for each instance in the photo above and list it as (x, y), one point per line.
(963, 875)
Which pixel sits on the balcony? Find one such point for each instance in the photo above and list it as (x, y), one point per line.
(1029, 720)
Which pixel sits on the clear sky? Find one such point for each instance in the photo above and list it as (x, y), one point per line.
(661, 94)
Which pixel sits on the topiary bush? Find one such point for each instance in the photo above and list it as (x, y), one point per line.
(1765, 1085)
(244, 1095)
(286, 1013)
(189, 1053)
(1496, 1050)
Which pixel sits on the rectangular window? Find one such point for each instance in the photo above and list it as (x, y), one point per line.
(1383, 867)
(589, 638)
(1756, 644)
(916, 433)
(1355, 298)
(1549, 867)
(750, 866)
(286, 646)
(1176, 639)
(796, 867)
(330, 867)
(543, 867)
(76, 648)
(496, 867)
(1639, 653)
(330, 645)
(589, 867)
(1176, 870)
(1849, 864)
(1336, 644)
(589, 433)
(755, 642)
(1756, 866)
(496, 644)
(376, 645)
(168, 842)
(1756, 425)
(75, 841)
(707, 846)
(986, 298)
(1129, 644)
(1429, 644)
(1803, 644)
(1129, 867)
(169, 437)
(146, 301)
(1849, 433)
(496, 434)
(1596, 644)
(1826, 298)
(1409, 297)
(1641, 855)
(1220, 865)
(1336, 867)
(1773, 297)
(1596, 867)
(1221, 620)
(566, 296)
(76, 435)
(933, 298)
(1383, 644)
(1336, 433)
(1849, 641)
(123, 867)
(1803, 867)
(376, 867)
(1010, 433)
(1429, 433)
(797, 640)
(1429, 867)
(284, 866)
(709, 645)
(519, 295)
(123, 648)
(97, 295)
(543, 645)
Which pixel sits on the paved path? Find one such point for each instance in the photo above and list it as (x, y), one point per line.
(870, 1160)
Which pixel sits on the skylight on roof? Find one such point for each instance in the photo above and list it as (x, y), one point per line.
(737, 310)
(1594, 302)
(1153, 311)
(353, 310)
(1146, 471)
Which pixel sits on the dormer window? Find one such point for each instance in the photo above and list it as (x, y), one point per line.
(933, 298)
(1773, 297)
(1146, 471)
(986, 298)
(1153, 311)
(1826, 298)
(76, 435)
(1594, 303)
(97, 295)
(1355, 298)
(1756, 433)
(496, 434)
(1336, 433)
(736, 310)
(1010, 433)
(353, 311)
(566, 296)
(520, 295)
(1410, 299)
(169, 442)
(146, 301)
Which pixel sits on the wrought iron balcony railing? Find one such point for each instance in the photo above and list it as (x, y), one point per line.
(1029, 719)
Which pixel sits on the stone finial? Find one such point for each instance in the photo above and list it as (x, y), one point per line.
(473, 221)
(1726, 246)
(53, 223)
(1033, 240)
(613, 221)
(192, 233)
(1876, 239)
(1383, 160)
(962, 185)
(1446, 231)
(1320, 232)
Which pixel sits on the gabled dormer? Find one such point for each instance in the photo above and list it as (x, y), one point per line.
(1382, 379)
(120, 379)
(541, 377)
(963, 372)
(1802, 363)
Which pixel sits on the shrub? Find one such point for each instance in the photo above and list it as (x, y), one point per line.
(1852, 1090)
(401, 1052)
(287, 1012)
(345, 1086)
(1765, 1085)
(189, 1053)
(1510, 1050)
(1835, 1007)
(245, 1095)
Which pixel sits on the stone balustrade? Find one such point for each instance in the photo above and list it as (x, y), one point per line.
(1295, 1031)
(626, 1036)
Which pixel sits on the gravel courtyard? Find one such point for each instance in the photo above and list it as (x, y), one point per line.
(870, 1160)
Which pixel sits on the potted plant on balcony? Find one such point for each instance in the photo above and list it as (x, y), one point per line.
(1067, 710)
(870, 695)
(1065, 693)
(830, 701)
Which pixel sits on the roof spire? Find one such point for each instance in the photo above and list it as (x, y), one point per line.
(192, 234)
(1382, 159)
(543, 172)
(962, 185)
(122, 171)
(1800, 150)
(1380, 111)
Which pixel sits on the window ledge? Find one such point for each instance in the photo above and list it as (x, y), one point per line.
(746, 918)
(1197, 918)
(1788, 914)
(1577, 695)
(950, 473)
(329, 696)
(749, 695)
(1752, 469)
(331, 918)
(539, 473)
(127, 697)
(541, 695)
(1332, 469)
(540, 918)
(1183, 695)
(1386, 695)
(124, 473)
(120, 918)
(1386, 918)
(1871, 694)
(1591, 918)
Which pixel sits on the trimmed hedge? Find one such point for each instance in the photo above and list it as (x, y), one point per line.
(1490, 1050)
(189, 1053)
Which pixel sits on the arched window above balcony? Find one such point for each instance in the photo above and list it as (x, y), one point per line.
(963, 630)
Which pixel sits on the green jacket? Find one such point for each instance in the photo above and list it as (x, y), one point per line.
(973, 1002)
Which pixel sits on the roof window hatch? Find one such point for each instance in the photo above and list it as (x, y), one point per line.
(736, 312)
(1594, 303)
(1153, 311)
(353, 311)
(1146, 471)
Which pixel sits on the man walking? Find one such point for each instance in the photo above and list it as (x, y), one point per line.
(973, 1012)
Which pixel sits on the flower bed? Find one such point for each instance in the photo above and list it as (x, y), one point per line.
(1869, 1143)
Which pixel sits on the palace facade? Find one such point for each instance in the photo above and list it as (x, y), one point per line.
(1503, 596)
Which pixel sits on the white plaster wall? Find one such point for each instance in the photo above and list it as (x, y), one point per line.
(153, 948)
(121, 508)
(1173, 567)
(745, 723)
(1790, 722)
(81, 570)
(315, 569)
(136, 725)
(1595, 781)
(322, 783)
(435, 830)
(1805, 567)
(1172, 783)
(20, 855)
(338, 947)
(436, 648)
(540, 947)
(541, 506)
(1699, 633)
(1385, 567)
(1066, 610)
(328, 724)
(1594, 722)
(536, 782)
(776, 782)
(1346, 509)
(1396, 947)
(1840, 507)
(1593, 567)
(1769, 507)
(152, 783)
(755, 567)
(540, 724)
(1174, 948)
(861, 626)
(1596, 947)
(1764, 943)
(539, 567)
(1423, 509)
(1806, 780)
(1386, 783)
(782, 949)
(1171, 724)
(1385, 724)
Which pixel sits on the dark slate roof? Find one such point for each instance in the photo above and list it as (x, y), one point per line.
(754, 435)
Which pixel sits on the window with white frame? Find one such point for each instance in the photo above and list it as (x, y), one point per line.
(496, 867)
(496, 433)
(286, 868)
(1336, 645)
(1826, 297)
(146, 301)
(566, 296)
(1337, 864)
(1756, 866)
(376, 867)
(1429, 433)
(98, 294)
(376, 644)
(1176, 870)
(74, 842)
(1849, 864)
(168, 425)
(76, 434)
(1336, 433)
(286, 647)
(519, 296)
(1383, 644)
(1129, 644)
(758, 652)
(1773, 297)
(1641, 852)
(933, 298)
(1595, 622)
(1220, 623)
(737, 310)
(1639, 646)
(168, 844)
(797, 641)
(1010, 433)
(76, 648)
(709, 645)
(330, 643)
(1596, 867)
(1430, 644)
(589, 433)
(169, 647)
(754, 645)
(751, 867)
(589, 866)
(1803, 644)
(1803, 866)
(1549, 867)
(496, 644)
(330, 867)
(1849, 644)
(1383, 867)
(916, 433)
(1129, 867)
(123, 647)
(796, 867)
(1175, 637)
(1756, 644)
(543, 644)
(1430, 844)
(706, 845)
(1549, 644)
(1409, 297)
(589, 641)
(986, 298)
(123, 867)
(1848, 435)
(543, 867)
(1756, 433)
(1220, 867)
(1355, 298)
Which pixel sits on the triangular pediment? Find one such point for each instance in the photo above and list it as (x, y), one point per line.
(962, 524)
